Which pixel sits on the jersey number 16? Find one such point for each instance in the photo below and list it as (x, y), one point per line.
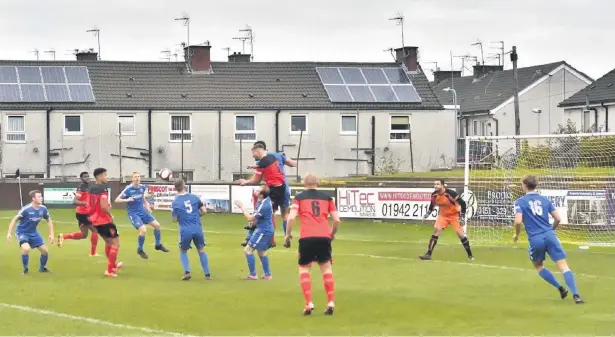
(536, 207)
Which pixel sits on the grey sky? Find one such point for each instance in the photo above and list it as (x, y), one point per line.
(327, 30)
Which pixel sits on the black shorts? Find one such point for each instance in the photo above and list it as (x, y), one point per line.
(280, 196)
(108, 231)
(317, 249)
(82, 220)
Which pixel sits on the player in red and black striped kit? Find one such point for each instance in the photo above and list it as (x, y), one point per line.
(82, 211)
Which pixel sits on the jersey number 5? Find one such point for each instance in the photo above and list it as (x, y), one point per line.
(315, 208)
(188, 206)
(536, 207)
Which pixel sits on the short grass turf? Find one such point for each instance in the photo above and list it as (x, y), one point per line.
(381, 287)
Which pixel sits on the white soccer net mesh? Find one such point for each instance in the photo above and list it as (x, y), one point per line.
(577, 172)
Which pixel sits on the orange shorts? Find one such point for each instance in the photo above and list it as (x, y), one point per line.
(443, 222)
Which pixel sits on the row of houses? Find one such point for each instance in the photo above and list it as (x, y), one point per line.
(337, 118)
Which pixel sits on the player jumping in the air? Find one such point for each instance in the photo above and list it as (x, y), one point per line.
(187, 209)
(261, 239)
(82, 211)
(532, 210)
(269, 170)
(313, 208)
(140, 213)
(452, 209)
(101, 218)
(29, 216)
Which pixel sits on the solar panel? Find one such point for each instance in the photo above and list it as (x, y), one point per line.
(81, 93)
(352, 75)
(407, 93)
(384, 93)
(397, 76)
(328, 76)
(29, 74)
(338, 93)
(8, 75)
(57, 93)
(53, 74)
(9, 93)
(77, 74)
(361, 93)
(374, 76)
(33, 92)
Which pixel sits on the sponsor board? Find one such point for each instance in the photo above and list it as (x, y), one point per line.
(493, 205)
(216, 198)
(385, 203)
(243, 194)
(61, 195)
(580, 207)
(161, 196)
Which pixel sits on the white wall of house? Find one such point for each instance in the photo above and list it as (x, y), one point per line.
(91, 139)
(585, 119)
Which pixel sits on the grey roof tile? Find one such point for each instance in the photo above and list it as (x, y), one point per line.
(601, 91)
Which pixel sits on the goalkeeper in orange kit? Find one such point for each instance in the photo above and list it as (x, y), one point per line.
(452, 209)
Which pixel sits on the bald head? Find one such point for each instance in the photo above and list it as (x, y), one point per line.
(310, 181)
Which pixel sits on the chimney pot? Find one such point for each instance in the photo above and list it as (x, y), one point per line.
(442, 75)
(198, 57)
(480, 70)
(409, 56)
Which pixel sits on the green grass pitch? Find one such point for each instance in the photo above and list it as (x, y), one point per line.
(381, 288)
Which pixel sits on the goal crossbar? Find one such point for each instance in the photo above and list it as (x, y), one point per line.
(576, 135)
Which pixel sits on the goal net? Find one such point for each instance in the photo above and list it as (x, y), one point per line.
(575, 171)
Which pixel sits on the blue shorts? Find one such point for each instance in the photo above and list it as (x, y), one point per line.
(186, 238)
(546, 243)
(35, 240)
(260, 241)
(139, 219)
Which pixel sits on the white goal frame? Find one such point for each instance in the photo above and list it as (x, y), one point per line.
(468, 160)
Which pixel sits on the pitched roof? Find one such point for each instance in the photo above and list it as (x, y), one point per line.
(249, 85)
(492, 90)
(601, 91)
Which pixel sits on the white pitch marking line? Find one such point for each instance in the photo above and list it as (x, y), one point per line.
(89, 320)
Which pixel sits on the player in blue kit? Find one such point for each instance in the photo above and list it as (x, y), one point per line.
(187, 209)
(261, 239)
(27, 233)
(532, 210)
(140, 213)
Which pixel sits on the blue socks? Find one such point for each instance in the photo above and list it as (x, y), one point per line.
(204, 262)
(24, 260)
(140, 242)
(265, 263)
(157, 237)
(284, 226)
(251, 264)
(44, 259)
(570, 282)
(183, 258)
(549, 277)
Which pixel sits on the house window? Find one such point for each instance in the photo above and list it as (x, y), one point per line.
(237, 176)
(73, 125)
(349, 125)
(483, 128)
(298, 123)
(127, 124)
(180, 125)
(400, 127)
(586, 121)
(187, 175)
(475, 128)
(25, 175)
(16, 129)
(245, 127)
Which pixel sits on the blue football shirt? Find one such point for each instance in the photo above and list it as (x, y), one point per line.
(264, 216)
(29, 218)
(137, 193)
(186, 208)
(535, 209)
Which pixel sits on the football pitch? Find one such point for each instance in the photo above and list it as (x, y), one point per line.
(381, 287)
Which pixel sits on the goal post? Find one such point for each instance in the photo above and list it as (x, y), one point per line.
(575, 171)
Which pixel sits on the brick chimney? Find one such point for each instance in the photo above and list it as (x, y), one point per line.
(198, 57)
(409, 56)
(87, 56)
(481, 70)
(239, 57)
(442, 75)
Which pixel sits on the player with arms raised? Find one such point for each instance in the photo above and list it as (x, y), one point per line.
(102, 219)
(452, 209)
(27, 233)
(140, 213)
(82, 212)
(532, 210)
(187, 209)
(313, 208)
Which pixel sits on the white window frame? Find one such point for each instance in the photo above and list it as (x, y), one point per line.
(475, 128)
(356, 124)
(73, 133)
(483, 128)
(587, 120)
(171, 132)
(245, 132)
(7, 132)
(399, 131)
(291, 124)
(134, 125)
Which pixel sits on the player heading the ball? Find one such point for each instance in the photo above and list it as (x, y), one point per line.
(313, 208)
(452, 210)
(532, 210)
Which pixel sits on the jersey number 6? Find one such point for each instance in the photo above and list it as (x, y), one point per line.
(315, 208)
